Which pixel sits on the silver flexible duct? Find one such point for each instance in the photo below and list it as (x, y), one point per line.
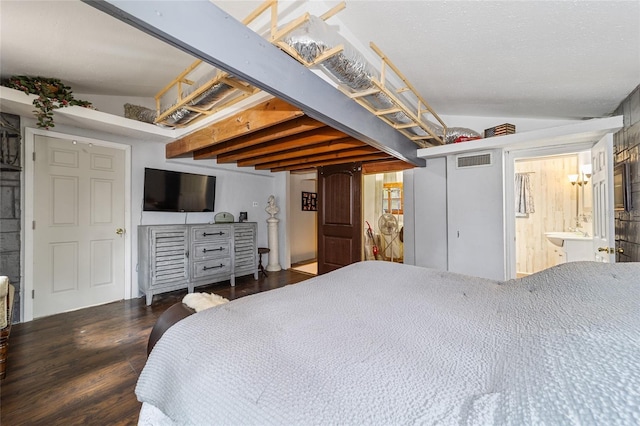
(352, 71)
(205, 100)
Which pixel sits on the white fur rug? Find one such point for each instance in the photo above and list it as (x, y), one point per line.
(201, 301)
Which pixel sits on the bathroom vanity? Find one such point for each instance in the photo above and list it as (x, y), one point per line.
(575, 245)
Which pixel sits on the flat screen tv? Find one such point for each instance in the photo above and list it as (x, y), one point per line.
(169, 191)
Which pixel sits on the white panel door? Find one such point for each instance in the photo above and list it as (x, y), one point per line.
(602, 178)
(79, 223)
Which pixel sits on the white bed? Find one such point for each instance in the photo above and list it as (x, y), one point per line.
(383, 343)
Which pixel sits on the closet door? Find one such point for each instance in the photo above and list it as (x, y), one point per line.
(475, 188)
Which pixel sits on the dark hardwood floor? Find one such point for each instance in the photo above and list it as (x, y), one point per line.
(81, 367)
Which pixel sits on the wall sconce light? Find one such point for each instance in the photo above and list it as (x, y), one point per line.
(574, 179)
(583, 177)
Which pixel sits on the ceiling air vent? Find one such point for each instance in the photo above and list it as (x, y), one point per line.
(473, 160)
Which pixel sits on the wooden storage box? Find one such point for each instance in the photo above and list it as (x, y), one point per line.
(499, 130)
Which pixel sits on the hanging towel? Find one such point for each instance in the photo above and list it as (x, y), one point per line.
(524, 199)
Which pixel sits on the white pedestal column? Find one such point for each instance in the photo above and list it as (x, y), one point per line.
(272, 229)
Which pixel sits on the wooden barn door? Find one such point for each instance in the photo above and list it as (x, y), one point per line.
(339, 216)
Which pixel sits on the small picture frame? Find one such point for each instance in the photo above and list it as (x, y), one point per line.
(309, 201)
(243, 217)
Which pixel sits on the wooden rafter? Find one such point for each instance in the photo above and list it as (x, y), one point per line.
(309, 161)
(364, 158)
(385, 166)
(334, 146)
(283, 150)
(302, 130)
(261, 116)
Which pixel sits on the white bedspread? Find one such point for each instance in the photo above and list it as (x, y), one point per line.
(382, 343)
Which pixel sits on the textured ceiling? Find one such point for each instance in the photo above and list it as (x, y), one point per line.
(566, 59)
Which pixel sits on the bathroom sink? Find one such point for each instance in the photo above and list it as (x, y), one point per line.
(558, 238)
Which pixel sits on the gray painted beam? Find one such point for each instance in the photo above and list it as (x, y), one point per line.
(208, 33)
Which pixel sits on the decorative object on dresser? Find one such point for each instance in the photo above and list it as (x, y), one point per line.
(223, 217)
(173, 257)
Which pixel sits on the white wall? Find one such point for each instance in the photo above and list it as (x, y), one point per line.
(236, 188)
(426, 229)
(115, 104)
(302, 224)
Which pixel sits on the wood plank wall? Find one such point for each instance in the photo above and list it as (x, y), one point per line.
(626, 148)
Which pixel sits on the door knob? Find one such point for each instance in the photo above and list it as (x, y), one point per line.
(611, 250)
(120, 231)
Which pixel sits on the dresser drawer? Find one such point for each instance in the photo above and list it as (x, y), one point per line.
(211, 249)
(210, 233)
(210, 268)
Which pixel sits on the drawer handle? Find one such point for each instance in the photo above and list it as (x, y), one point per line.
(204, 250)
(206, 234)
(206, 268)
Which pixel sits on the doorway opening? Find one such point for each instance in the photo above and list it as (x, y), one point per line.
(383, 215)
(303, 192)
(555, 196)
(586, 192)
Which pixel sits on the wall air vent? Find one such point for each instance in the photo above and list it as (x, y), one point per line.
(475, 160)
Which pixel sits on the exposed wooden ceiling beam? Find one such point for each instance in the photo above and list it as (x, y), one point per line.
(311, 160)
(261, 116)
(283, 150)
(309, 153)
(385, 166)
(376, 156)
(299, 126)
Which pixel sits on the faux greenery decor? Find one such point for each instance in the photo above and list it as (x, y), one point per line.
(52, 94)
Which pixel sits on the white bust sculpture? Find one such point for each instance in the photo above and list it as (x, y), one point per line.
(272, 227)
(271, 208)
